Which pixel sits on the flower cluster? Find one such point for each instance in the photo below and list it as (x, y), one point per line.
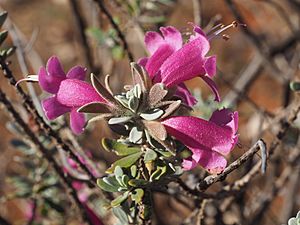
(150, 115)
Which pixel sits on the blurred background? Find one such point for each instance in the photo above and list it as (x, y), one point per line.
(255, 67)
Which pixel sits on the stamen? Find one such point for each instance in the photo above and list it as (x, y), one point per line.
(29, 78)
(234, 24)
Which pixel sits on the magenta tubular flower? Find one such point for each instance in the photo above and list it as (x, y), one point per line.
(70, 92)
(172, 63)
(209, 140)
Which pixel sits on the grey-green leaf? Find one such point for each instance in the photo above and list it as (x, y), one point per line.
(121, 215)
(116, 120)
(150, 155)
(152, 114)
(135, 135)
(118, 171)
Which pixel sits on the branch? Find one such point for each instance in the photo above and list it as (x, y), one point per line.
(209, 180)
(103, 8)
(44, 128)
(45, 152)
(82, 27)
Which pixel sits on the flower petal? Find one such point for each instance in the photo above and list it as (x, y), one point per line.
(54, 68)
(153, 41)
(186, 63)
(197, 133)
(210, 65)
(77, 72)
(212, 161)
(47, 82)
(77, 121)
(53, 109)
(212, 86)
(172, 36)
(225, 117)
(76, 93)
(157, 59)
(189, 164)
(186, 96)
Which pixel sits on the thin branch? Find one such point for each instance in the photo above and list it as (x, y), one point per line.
(260, 47)
(209, 180)
(45, 152)
(82, 27)
(43, 126)
(105, 11)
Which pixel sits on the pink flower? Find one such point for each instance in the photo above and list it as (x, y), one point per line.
(209, 140)
(171, 62)
(70, 92)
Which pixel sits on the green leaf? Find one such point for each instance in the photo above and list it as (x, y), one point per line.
(120, 199)
(3, 16)
(137, 182)
(118, 171)
(105, 186)
(133, 170)
(119, 148)
(125, 162)
(121, 215)
(137, 195)
(156, 175)
(3, 36)
(150, 155)
(164, 153)
(111, 181)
